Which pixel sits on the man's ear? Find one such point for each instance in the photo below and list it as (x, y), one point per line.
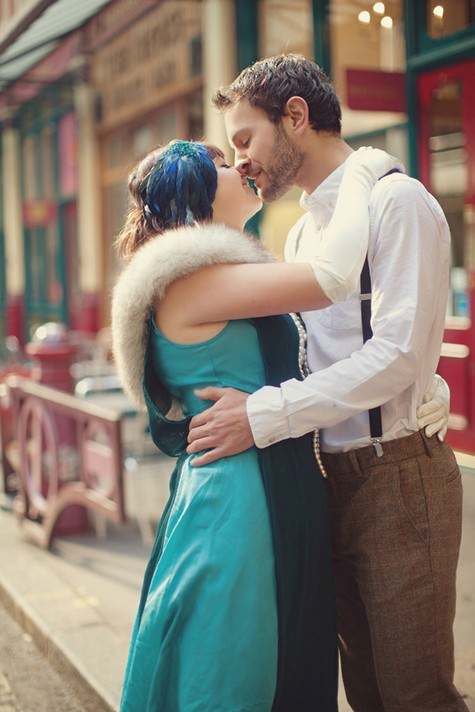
(296, 111)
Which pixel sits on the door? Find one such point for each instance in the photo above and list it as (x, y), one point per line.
(447, 168)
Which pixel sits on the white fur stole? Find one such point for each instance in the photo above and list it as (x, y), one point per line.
(154, 266)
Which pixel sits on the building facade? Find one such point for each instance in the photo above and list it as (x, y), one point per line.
(120, 77)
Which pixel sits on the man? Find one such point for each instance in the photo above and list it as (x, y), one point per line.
(395, 495)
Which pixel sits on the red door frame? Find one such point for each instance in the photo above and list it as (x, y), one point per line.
(457, 363)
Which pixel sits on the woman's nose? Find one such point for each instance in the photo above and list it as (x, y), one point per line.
(242, 166)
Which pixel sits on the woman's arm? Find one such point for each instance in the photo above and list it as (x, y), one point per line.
(222, 292)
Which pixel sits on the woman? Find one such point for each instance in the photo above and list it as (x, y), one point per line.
(237, 610)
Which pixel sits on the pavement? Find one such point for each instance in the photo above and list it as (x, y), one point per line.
(78, 601)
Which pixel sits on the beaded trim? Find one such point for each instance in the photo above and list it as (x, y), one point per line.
(304, 372)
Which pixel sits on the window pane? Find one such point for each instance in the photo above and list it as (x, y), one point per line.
(115, 205)
(168, 122)
(445, 18)
(195, 116)
(116, 150)
(368, 63)
(448, 180)
(142, 141)
(285, 26)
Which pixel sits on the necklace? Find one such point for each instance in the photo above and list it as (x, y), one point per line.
(304, 372)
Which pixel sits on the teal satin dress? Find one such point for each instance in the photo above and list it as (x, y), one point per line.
(206, 637)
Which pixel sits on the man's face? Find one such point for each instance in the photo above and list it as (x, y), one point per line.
(263, 150)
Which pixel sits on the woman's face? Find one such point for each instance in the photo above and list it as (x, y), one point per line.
(235, 201)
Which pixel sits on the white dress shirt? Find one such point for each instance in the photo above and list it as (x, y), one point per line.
(409, 248)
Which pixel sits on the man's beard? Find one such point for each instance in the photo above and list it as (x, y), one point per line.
(282, 173)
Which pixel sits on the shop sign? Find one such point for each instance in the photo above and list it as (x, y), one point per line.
(375, 90)
(112, 19)
(39, 213)
(147, 65)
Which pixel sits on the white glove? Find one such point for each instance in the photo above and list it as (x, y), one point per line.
(433, 415)
(367, 165)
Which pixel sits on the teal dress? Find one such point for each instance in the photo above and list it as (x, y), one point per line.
(236, 612)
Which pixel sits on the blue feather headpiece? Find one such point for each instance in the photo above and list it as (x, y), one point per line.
(181, 187)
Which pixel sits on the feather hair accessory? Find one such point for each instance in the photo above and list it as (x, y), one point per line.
(181, 186)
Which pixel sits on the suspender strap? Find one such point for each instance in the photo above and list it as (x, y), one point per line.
(375, 421)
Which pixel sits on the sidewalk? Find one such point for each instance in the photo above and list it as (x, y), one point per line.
(78, 601)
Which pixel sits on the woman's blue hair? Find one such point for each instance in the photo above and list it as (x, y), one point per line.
(181, 186)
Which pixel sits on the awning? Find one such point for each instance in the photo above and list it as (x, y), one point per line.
(44, 35)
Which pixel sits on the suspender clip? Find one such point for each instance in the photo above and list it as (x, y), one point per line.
(378, 447)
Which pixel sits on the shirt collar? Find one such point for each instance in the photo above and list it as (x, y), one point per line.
(321, 202)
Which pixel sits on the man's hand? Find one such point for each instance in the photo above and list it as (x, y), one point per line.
(223, 429)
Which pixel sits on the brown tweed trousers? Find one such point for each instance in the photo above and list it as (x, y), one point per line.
(396, 528)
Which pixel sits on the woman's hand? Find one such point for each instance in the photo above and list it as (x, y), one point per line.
(372, 164)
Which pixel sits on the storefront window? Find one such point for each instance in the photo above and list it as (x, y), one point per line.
(142, 141)
(368, 63)
(195, 117)
(448, 181)
(445, 18)
(46, 290)
(116, 150)
(116, 199)
(167, 125)
(285, 26)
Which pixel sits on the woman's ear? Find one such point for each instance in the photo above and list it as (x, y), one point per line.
(297, 114)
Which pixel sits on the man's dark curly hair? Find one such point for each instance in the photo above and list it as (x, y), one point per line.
(271, 82)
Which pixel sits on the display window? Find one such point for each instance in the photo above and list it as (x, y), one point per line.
(447, 18)
(122, 149)
(285, 26)
(367, 48)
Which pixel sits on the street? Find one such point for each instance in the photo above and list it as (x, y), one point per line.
(85, 595)
(28, 683)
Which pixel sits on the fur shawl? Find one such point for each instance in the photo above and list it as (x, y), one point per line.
(157, 264)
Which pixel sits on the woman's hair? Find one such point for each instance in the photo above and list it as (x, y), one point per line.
(271, 82)
(172, 186)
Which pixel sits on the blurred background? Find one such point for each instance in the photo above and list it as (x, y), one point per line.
(88, 88)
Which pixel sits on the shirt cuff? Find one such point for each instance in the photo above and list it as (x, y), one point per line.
(266, 414)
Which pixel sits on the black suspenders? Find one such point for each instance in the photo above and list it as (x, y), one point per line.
(375, 421)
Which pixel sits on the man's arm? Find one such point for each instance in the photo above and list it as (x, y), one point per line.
(409, 268)
(224, 429)
(409, 259)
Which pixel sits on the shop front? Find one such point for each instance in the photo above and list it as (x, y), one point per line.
(441, 75)
(361, 44)
(404, 72)
(49, 186)
(147, 84)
